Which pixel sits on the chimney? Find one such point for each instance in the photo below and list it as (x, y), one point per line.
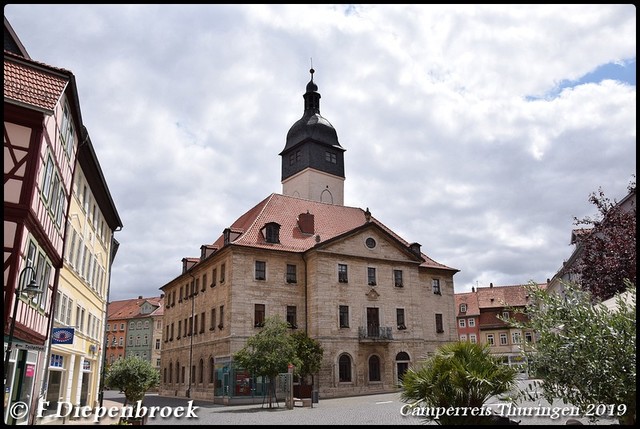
(306, 223)
(490, 284)
(139, 296)
(473, 288)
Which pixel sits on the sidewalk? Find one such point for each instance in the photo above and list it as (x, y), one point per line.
(90, 420)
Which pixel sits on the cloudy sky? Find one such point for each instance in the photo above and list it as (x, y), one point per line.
(477, 131)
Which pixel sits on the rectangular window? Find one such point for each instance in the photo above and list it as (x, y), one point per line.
(435, 286)
(344, 316)
(212, 324)
(221, 324)
(505, 314)
(473, 339)
(516, 337)
(179, 328)
(463, 337)
(491, 340)
(400, 319)
(471, 322)
(258, 315)
(204, 282)
(371, 276)
(157, 343)
(439, 324)
(66, 131)
(261, 270)
(292, 316)
(461, 323)
(291, 274)
(330, 157)
(503, 339)
(342, 273)
(46, 180)
(463, 308)
(214, 277)
(528, 337)
(222, 269)
(397, 278)
(202, 322)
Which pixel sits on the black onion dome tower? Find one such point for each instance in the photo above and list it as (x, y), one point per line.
(312, 159)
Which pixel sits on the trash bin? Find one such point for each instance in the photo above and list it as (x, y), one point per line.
(314, 397)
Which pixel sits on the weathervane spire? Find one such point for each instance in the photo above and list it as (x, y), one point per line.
(312, 71)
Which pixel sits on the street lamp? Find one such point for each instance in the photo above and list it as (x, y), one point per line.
(32, 289)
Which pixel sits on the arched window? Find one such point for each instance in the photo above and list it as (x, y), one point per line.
(201, 372)
(402, 365)
(344, 368)
(211, 370)
(402, 356)
(170, 372)
(374, 368)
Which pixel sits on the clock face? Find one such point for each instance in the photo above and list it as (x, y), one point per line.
(371, 243)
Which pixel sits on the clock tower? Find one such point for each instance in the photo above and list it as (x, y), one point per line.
(312, 159)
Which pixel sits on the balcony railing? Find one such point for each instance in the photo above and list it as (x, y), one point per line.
(375, 333)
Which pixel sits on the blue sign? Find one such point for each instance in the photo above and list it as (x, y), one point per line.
(62, 336)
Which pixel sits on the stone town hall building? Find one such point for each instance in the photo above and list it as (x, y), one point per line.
(374, 301)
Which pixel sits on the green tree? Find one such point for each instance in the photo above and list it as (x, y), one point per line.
(459, 374)
(133, 376)
(310, 352)
(584, 353)
(269, 352)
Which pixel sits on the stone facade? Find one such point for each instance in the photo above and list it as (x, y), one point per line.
(371, 348)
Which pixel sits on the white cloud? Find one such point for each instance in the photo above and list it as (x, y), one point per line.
(451, 136)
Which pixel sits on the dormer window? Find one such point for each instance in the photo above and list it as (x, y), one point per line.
(271, 232)
(463, 308)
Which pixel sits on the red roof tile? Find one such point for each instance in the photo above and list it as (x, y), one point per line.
(330, 221)
(130, 308)
(32, 83)
(503, 296)
(471, 300)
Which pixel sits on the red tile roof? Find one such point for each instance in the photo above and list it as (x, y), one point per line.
(504, 296)
(130, 308)
(493, 297)
(33, 83)
(330, 221)
(469, 298)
